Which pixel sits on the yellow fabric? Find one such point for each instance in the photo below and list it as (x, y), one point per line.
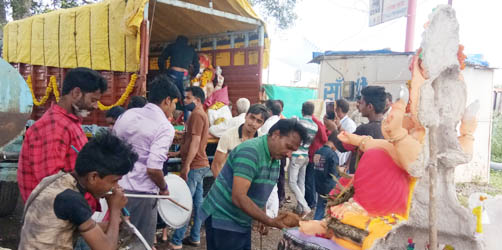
(217, 105)
(133, 17)
(67, 39)
(83, 37)
(24, 41)
(78, 37)
(51, 39)
(37, 41)
(100, 58)
(477, 211)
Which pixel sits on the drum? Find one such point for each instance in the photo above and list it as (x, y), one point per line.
(15, 103)
(293, 239)
(172, 214)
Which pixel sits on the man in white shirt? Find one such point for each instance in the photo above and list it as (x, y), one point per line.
(254, 119)
(276, 110)
(343, 122)
(242, 108)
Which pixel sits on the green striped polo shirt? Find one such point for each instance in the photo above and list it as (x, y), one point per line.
(311, 127)
(250, 160)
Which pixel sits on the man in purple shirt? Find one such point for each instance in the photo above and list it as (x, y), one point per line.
(151, 134)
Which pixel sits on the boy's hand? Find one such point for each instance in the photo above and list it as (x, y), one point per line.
(117, 200)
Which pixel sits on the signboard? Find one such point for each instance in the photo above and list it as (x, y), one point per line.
(382, 11)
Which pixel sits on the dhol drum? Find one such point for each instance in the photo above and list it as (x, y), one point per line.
(174, 215)
(293, 239)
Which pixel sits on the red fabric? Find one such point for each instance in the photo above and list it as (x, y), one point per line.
(47, 150)
(320, 138)
(220, 95)
(381, 186)
(349, 147)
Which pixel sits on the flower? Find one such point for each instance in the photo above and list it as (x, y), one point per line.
(123, 98)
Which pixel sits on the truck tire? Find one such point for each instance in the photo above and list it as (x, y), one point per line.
(9, 193)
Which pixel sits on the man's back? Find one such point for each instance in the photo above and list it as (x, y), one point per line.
(311, 127)
(47, 148)
(151, 134)
(198, 124)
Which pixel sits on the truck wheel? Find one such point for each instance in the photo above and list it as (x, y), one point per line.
(9, 193)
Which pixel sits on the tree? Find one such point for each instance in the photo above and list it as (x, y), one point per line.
(283, 11)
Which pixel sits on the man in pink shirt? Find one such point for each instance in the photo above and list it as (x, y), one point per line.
(151, 134)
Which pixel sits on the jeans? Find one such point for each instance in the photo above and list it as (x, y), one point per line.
(195, 184)
(219, 239)
(297, 169)
(180, 81)
(310, 193)
(320, 208)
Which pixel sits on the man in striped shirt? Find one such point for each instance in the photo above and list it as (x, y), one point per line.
(243, 186)
(300, 160)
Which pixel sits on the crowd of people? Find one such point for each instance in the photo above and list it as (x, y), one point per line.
(62, 176)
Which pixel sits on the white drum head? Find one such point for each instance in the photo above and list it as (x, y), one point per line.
(173, 215)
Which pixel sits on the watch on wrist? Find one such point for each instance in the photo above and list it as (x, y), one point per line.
(164, 189)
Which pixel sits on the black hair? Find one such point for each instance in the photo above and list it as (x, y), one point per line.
(308, 108)
(86, 79)
(333, 137)
(197, 92)
(274, 107)
(107, 155)
(115, 112)
(281, 103)
(286, 126)
(182, 39)
(375, 95)
(161, 88)
(258, 109)
(137, 102)
(388, 96)
(343, 105)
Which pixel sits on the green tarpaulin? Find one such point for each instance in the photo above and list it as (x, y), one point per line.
(292, 97)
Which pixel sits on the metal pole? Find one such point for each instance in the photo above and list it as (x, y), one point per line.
(433, 165)
(410, 25)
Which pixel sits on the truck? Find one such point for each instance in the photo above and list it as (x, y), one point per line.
(122, 40)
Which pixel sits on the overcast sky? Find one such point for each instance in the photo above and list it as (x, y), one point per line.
(343, 25)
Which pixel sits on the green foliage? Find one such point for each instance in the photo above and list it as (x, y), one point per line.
(497, 139)
(282, 11)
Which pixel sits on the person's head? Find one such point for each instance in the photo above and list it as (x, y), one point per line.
(342, 108)
(136, 102)
(388, 101)
(255, 117)
(194, 97)
(242, 105)
(285, 137)
(112, 115)
(373, 100)
(274, 106)
(103, 161)
(164, 94)
(332, 140)
(281, 103)
(182, 40)
(308, 108)
(82, 88)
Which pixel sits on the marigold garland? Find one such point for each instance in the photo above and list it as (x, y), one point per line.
(48, 91)
(123, 98)
(55, 89)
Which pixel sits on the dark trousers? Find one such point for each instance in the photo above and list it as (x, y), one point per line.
(218, 239)
(281, 182)
(179, 79)
(310, 194)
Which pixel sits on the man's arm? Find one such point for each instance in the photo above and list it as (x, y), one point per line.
(241, 200)
(158, 155)
(196, 64)
(219, 160)
(192, 151)
(94, 235)
(161, 61)
(53, 157)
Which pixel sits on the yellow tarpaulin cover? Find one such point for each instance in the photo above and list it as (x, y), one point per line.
(106, 35)
(91, 36)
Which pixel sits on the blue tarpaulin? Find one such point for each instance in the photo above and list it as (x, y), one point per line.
(292, 97)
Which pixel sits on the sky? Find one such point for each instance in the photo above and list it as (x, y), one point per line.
(343, 25)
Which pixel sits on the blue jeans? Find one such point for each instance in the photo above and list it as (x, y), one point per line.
(310, 193)
(219, 239)
(180, 79)
(195, 184)
(320, 207)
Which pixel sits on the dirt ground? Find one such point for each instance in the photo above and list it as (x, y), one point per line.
(10, 227)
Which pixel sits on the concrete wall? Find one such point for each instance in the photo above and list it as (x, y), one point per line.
(389, 71)
(479, 84)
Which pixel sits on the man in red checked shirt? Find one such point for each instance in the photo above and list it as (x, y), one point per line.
(51, 143)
